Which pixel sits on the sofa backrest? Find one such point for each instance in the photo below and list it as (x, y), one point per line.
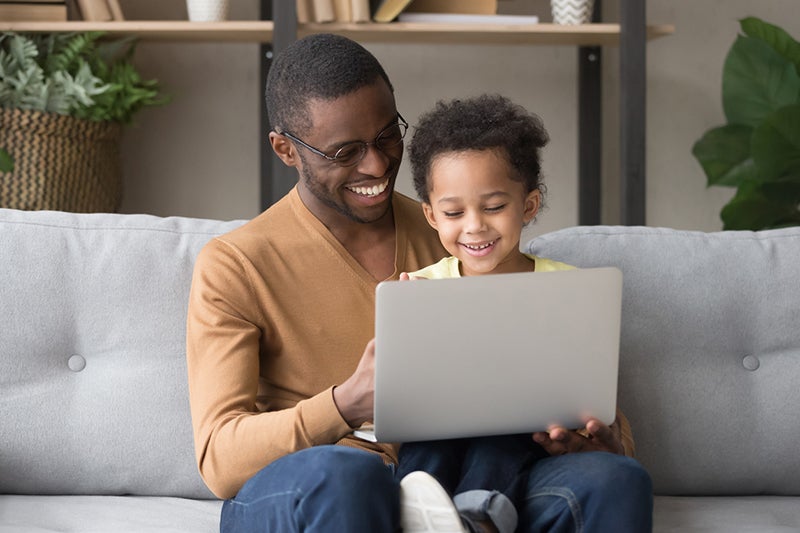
(710, 351)
(93, 386)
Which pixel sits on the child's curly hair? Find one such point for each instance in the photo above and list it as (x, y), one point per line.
(482, 123)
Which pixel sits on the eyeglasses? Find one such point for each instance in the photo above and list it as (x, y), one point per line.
(351, 153)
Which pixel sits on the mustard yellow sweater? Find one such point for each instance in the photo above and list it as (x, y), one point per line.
(279, 313)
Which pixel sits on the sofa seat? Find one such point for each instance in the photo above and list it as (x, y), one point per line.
(735, 514)
(107, 514)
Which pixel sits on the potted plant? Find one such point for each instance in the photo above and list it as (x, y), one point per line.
(64, 98)
(758, 150)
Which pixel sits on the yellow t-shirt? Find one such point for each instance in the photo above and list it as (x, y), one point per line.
(448, 267)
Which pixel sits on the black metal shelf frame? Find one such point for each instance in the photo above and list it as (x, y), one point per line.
(277, 179)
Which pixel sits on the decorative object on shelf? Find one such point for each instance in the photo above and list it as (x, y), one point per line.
(64, 99)
(207, 10)
(758, 150)
(571, 12)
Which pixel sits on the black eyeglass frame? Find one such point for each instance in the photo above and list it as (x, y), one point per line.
(335, 158)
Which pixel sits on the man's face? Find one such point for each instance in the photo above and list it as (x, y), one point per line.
(362, 192)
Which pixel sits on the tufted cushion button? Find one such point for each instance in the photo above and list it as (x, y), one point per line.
(751, 362)
(76, 363)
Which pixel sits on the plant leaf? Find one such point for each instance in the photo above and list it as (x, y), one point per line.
(763, 205)
(6, 161)
(756, 80)
(776, 145)
(776, 37)
(724, 154)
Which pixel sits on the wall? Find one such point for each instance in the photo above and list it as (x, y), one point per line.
(198, 156)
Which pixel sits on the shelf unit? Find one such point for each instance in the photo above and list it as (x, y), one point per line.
(279, 28)
(262, 31)
(630, 36)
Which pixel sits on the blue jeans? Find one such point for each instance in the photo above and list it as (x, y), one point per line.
(492, 477)
(324, 488)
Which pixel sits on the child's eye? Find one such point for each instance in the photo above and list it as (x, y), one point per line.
(495, 209)
(452, 214)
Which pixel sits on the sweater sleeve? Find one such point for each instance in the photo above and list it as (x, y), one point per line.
(233, 439)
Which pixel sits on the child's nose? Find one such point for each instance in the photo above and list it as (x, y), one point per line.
(475, 222)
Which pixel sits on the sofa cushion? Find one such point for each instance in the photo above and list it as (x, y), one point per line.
(709, 354)
(741, 514)
(93, 386)
(107, 514)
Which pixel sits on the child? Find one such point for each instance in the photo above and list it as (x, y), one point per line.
(476, 168)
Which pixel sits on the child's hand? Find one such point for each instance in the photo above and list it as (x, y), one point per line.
(405, 277)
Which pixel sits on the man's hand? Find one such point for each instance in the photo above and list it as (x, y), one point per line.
(355, 397)
(598, 438)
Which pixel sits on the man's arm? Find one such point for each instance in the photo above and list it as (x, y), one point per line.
(233, 439)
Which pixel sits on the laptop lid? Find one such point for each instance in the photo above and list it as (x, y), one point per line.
(499, 354)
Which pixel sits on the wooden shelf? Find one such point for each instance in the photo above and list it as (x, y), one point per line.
(542, 34)
(160, 30)
(396, 32)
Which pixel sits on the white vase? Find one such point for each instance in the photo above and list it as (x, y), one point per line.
(572, 11)
(207, 10)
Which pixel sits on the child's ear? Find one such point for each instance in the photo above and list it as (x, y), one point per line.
(533, 200)
(428, 210)
(284, 149)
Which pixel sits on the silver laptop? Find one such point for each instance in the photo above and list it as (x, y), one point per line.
(493, 355)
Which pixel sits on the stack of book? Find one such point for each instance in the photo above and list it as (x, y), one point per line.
(98, 10)
(33, 11)
(446, 11)
(344, 11)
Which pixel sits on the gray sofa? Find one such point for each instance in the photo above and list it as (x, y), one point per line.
(95, 434)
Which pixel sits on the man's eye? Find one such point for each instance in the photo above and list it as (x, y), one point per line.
(348, 152)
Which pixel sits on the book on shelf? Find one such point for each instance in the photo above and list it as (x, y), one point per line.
(322, 11)
(467, 18)
(116, 10)
(473, 7)
(304, 11)
(33, 12)
(388, 10)
(360, 10)
(342, 11)
(100, 10)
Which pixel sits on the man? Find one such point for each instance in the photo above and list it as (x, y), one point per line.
(281, 311)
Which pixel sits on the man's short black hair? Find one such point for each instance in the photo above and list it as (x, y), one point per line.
(482, 123)
(323, 66)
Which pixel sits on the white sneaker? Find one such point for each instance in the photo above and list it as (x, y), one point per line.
(425, 507)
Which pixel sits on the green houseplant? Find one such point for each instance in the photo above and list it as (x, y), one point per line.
(757, 151)
(63, 100)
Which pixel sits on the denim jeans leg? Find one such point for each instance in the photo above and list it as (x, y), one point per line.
(587, 492)
(442, 459)
(320, 489)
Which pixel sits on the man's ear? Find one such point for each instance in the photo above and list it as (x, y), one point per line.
(532, 203)
(428, 210)
(284, 149)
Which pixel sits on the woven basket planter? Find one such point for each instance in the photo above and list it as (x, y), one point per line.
(61, 163)
(572, 11)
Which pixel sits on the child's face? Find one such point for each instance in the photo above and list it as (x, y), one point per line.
(479, 211)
